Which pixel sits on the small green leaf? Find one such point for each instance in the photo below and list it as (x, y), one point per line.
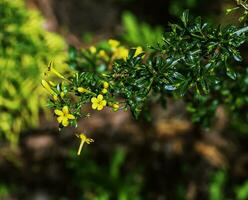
(231, 73)
(72, 53)
(185, 17)
(170, 87)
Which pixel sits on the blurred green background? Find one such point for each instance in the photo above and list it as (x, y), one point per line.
(167, 158)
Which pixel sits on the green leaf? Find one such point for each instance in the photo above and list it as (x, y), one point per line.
(185, 17)
(72, 53)
(231, 73)
(170, 87)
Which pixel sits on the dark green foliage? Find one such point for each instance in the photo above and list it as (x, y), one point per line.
(196, 61)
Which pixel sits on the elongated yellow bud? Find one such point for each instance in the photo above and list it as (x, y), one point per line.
(54, 71)
(46, 85)
(58, 74)
(52, 83)
(82, 90)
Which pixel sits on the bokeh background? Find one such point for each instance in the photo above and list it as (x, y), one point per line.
(167, 158)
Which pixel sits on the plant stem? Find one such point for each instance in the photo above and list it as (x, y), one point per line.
(80, 147)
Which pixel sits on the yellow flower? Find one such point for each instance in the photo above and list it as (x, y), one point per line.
(98, 103)
(83, 139)
(92, 49)
(120, 53)
(138, 51)
(64, 116)
(105, 85)
(113, 44)
(102, 54)
(82, 90)
(104, 91)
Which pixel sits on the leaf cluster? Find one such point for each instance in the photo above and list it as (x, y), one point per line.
(196, 62)
(25, 48)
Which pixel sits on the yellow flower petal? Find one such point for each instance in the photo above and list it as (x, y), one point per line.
(89, 140)
(65, 122)
(138, 51)
(99, 97)
(103, 103)
(99, 107)
(70, 116)
(60, 119)
(82, 137)
(58, 112)
(65, 110)
(94, 100)
(94, 106)
(113, 43)
(121, 53)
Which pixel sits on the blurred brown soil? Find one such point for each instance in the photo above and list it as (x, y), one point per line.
(161, 146)
(102, 19)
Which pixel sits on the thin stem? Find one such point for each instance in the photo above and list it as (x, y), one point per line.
(243, 5)
(80, 147)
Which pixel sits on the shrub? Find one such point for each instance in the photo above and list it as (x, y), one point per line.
(25, 48)
(196, 62)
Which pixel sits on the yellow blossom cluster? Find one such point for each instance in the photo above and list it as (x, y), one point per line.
(102, 54)
(117, 51)
(99, 98)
